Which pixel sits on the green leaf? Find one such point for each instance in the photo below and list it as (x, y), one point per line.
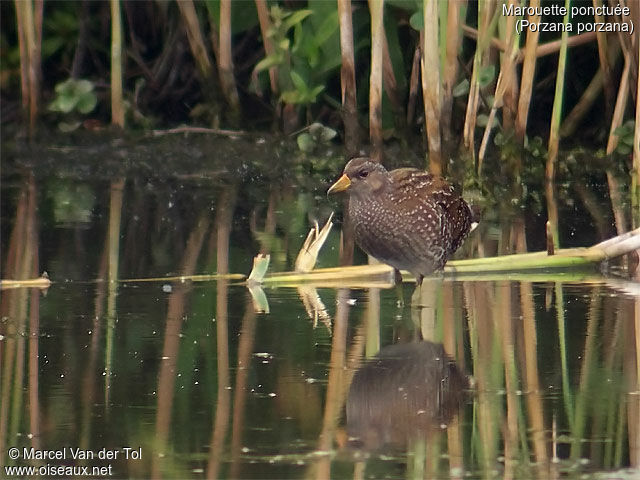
(486, 75)
(327, 28)
(321, 132)
(269, 61)
(295, 18)
(625, 129)
(51, 45)
(299, 82)
(284, 44)
(623, 149)
(306, 143)
(315, 91)
(627, 140)
(290, 96)
(87, 103)
(83, 86)
(67, 127)
(417, 20)
(461, 88)
(65, 86)
(63, 103)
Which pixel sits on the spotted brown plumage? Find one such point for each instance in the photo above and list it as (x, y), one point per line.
(406, 218)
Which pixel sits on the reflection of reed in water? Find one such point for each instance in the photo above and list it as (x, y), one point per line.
(403, 393)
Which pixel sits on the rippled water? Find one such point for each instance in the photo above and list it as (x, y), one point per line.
(511, 376)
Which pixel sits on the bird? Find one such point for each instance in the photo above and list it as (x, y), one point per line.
(406, 218)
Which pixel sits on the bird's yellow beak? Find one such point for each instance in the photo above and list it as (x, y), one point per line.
(340, 186)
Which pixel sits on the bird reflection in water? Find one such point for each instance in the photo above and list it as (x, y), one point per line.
(402, 394)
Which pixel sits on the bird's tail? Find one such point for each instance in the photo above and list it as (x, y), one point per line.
(476, 214)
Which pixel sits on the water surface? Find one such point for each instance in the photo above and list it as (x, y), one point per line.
(511, 376)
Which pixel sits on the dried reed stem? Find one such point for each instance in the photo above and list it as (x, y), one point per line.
(605, 64)
(196, 41)
(348, 79)
(528, 73)
(612, 143)
(431, 85)
(265, 25)
(488, 18)
(508, 69)
(29, 40)
(635, 174)
(580, 109)
(375, 80)
(225, 62)
(450, 65)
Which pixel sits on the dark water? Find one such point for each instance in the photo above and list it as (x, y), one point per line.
(507, 376)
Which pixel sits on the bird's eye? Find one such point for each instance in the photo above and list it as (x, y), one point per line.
(363, 174)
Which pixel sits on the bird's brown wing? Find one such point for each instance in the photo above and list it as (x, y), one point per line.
(422, 183)
(459, 218)
(435, 195)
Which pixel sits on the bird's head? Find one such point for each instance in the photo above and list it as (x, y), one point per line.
(361, 176)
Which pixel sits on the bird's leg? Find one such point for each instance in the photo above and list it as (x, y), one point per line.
(399, 291)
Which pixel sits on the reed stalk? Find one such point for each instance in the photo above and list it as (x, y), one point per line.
(35, 60)
(583, 394)
(223, 399)
(20, 6)
(34, 65)
(472, 101)
(531, 376)
(117, 102)
(612, 143)
(168, 370)
(605, 65)
(431, 85)
(225, 62)
(42, 283)
(527, 76)
(563, 258)
(348, 80)
(34, 349)
(115, 215)
(265, 26)
(335, 399)
(635, 173)
(242, 388)
(372, 322)
(414, 87)
(503, 315)
(487, 20)
(580, 109)
(504, 89)
(508, 70)
(20, 303)
(195, 38)
(376, 8)
(455, 11)
(29, 20)
(556, 116)
(567, 394)
(389, 81)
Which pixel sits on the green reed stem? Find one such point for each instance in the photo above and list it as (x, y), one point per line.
(562, 339)
(556, 116)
